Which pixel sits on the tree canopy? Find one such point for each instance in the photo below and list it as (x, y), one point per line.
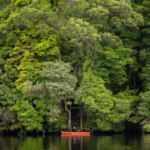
(58, 54)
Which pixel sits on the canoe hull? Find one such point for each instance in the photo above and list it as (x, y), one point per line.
(64, 133)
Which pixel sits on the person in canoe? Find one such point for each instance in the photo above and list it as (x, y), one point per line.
(77, 129)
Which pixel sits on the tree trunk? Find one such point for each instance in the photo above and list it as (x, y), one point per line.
(88, 118)
(69, 113)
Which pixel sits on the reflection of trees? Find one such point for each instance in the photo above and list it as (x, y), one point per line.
(42, 143)
(109, 142)
(120, 142)
(31, 143)
(146, 142)
(9, 143)
(77, 142)
(55, 143)
(69, 143)
(116, 142)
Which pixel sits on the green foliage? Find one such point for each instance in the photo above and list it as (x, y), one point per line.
(105, 48)
(57, 84)
(105, 109)
(27, 40)
(4, 4)
(28, 115)
(131, 38)
(58, 80)
(82, 32)
(61, 123)
(29, 69)
(22, 133)
(93, 90)
(7, 40)
(110, 64)
(8, 97)
(60, 84)
(94, 27)
(36, 42)
(137, 1)
(147, 128)
(143, 108)
(5, 13)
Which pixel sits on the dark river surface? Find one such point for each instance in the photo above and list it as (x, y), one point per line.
(114, 142)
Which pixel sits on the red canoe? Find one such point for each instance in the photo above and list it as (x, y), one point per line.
(64, 133)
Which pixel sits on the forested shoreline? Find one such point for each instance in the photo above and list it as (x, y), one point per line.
(94, 53)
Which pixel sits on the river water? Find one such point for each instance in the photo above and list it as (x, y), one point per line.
(115, 142)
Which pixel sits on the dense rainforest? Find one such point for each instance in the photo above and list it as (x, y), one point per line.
(94, 53)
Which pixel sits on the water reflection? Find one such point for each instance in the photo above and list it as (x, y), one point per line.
(78, 142)
(117, 142)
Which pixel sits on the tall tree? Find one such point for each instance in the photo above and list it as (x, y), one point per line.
(37, 39)
(103, 18)
(60, 83)
(107, 111)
